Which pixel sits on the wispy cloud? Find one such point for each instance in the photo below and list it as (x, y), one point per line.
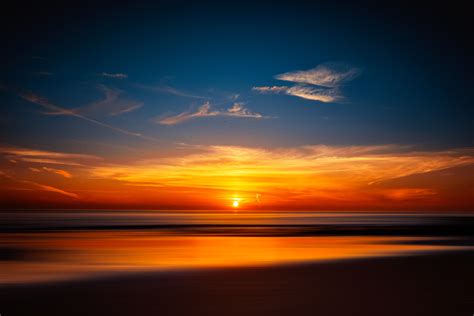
(49, 188)
(56, 190)
(54, 109)
(357, 165)
(329, 75)
(317, 174)
(112, 104)
(42, 187)
(114, 75)
(162, 88)
(18, 151)
(271, 89)
(48, 157)
(60, 172)
(305, 92)
(237, 110)
(130, 108)
(321, 83)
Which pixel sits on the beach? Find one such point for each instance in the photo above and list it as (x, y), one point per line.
(273, 263)
(430, 284)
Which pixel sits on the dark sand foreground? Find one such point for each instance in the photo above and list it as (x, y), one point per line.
(416, 285)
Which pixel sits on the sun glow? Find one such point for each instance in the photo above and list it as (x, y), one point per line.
(226, 177)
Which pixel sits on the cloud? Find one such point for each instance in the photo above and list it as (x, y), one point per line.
(42, 187)
(273, 89)
(329, 75)
(407, 193)
(60, 172)
(128, 109)
(161, 88)
(53, 189)
(300, 177)
(237, 110)
(54, 109)
(114, 75)
(321, 83)
(45, 103)
(48, 157)
(305, 174)
(112, 104)
(50, 161)
(18, 151)
(305, 92)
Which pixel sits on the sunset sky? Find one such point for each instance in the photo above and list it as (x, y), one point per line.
(220, 107)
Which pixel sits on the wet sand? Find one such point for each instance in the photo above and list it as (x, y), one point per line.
(436, 284)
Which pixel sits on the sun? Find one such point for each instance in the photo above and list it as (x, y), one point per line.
(235, 204)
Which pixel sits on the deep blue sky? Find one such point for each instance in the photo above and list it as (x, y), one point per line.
(414, 85)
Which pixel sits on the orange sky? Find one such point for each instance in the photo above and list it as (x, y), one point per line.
(292, 107)
(388, 177)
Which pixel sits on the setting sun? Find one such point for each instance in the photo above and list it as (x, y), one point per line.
(235, 204)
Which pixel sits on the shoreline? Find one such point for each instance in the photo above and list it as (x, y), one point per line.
(423, 284)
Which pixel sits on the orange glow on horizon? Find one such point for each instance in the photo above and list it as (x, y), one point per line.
(203, 177)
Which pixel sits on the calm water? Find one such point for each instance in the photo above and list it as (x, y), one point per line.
(45, 246)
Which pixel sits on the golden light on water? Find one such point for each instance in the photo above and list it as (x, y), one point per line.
(66, 255)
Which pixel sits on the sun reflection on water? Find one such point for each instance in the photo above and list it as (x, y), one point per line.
(64, 255)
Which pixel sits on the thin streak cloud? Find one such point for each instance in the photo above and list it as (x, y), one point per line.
(47, 157)
(161, 88)
(112, 104)
(49, 188)
(58, 110)
(60, 172)
(304, 92)
(271, 89)
(27, 152)
(114, 75)
(56, 190)
(42, 187)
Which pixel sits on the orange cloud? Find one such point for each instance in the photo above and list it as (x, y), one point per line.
(299, 175)
(56, 190)
(212, 177)
(60, 172)
(26, 152)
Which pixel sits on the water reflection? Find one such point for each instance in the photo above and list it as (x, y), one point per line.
(63, 255)
(40, 246)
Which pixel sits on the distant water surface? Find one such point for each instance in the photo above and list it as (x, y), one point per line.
(38, 246)
(59, 219)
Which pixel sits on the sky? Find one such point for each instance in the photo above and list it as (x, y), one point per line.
(177, 105)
